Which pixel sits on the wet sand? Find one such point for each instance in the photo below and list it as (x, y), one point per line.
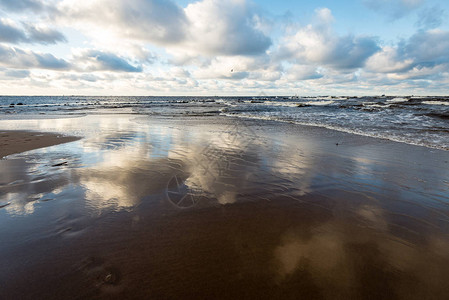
(20, 141)
(220, 208)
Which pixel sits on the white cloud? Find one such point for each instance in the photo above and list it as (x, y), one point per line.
(43, 34)
(13, 57)
(11, 32)
(425, 55)
(240, 68)
(388, 61)
(208, 27)
(13, 74)
(319, 44)
(224, 28)
(304, 72)
(95, 60)
(156, 21)
(428, 47)
(324, 15)
(422, 73)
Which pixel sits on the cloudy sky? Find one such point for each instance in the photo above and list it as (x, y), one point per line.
(224, 47)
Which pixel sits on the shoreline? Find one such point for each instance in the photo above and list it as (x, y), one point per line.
(27, 139)
(18, 141)
(207, 118)
(342, 130)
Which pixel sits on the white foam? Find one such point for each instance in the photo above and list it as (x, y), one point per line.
(396, 100)
(285, 103)
(435, 102)
(378, 135)
(376, 105)
(320, 103)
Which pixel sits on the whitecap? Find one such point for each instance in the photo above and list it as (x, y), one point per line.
(397, 100)
(320, 103)
(435, 102)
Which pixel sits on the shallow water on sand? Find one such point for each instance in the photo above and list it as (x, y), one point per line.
(162, 208)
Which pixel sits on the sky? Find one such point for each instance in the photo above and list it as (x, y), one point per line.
(224, 48)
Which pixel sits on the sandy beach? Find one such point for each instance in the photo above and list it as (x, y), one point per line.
(221, 208)
(20, 141)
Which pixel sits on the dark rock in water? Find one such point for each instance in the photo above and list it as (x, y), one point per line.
(256, 101)
(303, 105)
(20, 103)
(60, 164)
(12, 104)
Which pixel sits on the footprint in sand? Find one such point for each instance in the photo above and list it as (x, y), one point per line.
(69, 226)
(103, 275)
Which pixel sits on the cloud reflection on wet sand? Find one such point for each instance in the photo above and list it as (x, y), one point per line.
(125, 185)
(358, 262)
(22, 183)
(278, 215)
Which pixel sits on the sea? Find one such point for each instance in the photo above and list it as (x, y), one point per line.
(414, 120)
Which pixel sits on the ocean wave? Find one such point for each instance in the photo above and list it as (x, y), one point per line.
(320, 103)
(375, 106)
(435, 102)
(440, 115)
(283, 103)
(381, 135)
(397, 100)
